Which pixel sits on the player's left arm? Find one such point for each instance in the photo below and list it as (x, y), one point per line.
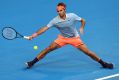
(83, 22)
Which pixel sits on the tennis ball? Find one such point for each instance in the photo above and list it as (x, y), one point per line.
(35, 47)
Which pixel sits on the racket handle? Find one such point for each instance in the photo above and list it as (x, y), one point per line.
(26, 37)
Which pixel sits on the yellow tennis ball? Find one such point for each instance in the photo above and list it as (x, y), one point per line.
(35, 47)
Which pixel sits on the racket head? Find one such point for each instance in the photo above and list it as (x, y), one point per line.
(9, 33)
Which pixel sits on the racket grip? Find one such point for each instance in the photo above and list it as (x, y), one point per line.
(26, 37)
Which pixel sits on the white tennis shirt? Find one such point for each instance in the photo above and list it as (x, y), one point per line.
(66, 27)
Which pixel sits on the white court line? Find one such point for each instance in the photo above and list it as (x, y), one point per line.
(107, 77)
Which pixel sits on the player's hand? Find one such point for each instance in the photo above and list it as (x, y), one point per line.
(81, 30)
(28, 37)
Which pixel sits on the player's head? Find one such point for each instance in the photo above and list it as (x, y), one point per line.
(61, 8)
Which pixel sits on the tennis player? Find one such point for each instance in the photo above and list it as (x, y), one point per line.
(65, 23)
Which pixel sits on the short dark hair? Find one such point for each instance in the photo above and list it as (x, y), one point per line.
(61, 4)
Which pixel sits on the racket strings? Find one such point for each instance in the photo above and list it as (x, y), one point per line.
(9, 33)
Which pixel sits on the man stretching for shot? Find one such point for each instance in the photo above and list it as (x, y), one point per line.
(65, 23)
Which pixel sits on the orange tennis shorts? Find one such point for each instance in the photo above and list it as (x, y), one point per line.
(75, 41)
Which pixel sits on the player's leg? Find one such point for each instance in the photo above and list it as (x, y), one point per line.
(43, 53)
(50, 48)
(91, 54)
(84, 49)
(59, 42)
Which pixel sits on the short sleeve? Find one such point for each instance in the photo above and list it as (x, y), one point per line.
(50, 24)
(76, 17)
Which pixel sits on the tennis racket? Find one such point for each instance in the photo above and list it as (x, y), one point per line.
(10, 33)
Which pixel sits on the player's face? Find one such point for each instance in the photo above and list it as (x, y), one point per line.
(61, 11)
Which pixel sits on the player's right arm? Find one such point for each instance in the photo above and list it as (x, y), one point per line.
(39, 32)
(42, 30)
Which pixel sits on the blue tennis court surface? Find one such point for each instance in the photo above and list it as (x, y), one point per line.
(101, 35)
